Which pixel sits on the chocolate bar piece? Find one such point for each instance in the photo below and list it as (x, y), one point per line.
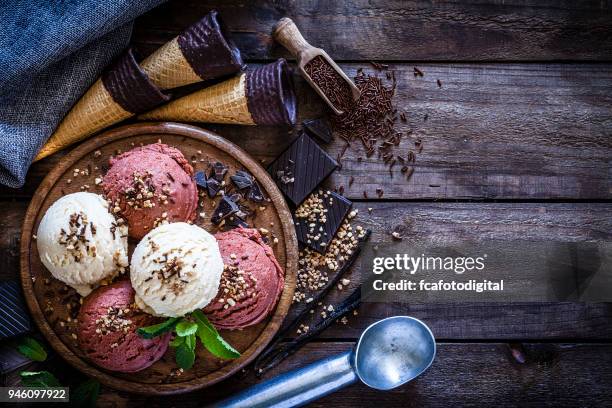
(242, 180)
(14, 316)
(227, 206)
(245, 181)
(318, 218)
(200, 179)
(319, 129)
(301, 168)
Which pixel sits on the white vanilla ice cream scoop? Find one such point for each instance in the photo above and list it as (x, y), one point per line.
(80, 242)
(176, 268)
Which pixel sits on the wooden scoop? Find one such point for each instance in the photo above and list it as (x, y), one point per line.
(287, 33)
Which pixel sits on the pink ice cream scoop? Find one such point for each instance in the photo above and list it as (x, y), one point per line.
(149, 185)
(108, 320)
(251, 283)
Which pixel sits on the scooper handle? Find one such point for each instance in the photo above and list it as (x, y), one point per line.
(297, 387)
(287, 33)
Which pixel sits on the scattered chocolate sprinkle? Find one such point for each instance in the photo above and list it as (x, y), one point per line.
(372, 118)
(418, 144)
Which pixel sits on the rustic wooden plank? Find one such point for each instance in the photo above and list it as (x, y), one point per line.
(493, 131)
(403, 30)
(444, 223)
(441, 224)
(473, 374)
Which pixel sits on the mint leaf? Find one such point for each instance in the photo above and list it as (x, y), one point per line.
(177, 341)
(85, 394)
(39, 379)
(150, 332)
(32, 349)
(190, 341)
(185, 356)
(211, 339)
(186, 328)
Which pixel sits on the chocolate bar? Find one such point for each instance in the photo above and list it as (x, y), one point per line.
(319, 129)
(14, 316)
(301, 168)
(318, 218)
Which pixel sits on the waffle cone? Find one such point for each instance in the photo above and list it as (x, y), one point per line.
(167, 67)
(225, 102)
(95, 111)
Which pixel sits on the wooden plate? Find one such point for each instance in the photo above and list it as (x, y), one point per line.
(54, 306)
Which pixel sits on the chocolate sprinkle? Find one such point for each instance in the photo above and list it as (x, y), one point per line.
(331, 83)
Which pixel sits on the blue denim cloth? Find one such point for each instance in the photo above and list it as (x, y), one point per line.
(51, 51)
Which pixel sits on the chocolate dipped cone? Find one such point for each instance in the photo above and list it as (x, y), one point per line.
(201, 52)
(262, 96)
(124, 90)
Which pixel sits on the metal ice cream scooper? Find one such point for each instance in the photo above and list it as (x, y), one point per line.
(389, 353)
(287, 33)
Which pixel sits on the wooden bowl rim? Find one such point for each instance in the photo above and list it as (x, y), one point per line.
(161, 128)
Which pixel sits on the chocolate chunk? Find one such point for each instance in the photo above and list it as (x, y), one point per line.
(211, 184)
(199, 177)
(234, 222)
(219, 171)
(308, 166)
(212, 187)
(226, 207)
(242, 180)
(245, 181)
(319, 129)
(309, 230)
(236, 197)
(255, 193)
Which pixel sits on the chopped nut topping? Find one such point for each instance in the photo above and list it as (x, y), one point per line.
(114, 320)
(313, 267)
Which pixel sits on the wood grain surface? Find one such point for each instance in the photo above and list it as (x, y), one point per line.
(517, 142)
(493, 131)
(464, 374)
(403, 30)
(53, 305)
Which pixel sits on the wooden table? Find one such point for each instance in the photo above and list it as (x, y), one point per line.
(517, 144)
